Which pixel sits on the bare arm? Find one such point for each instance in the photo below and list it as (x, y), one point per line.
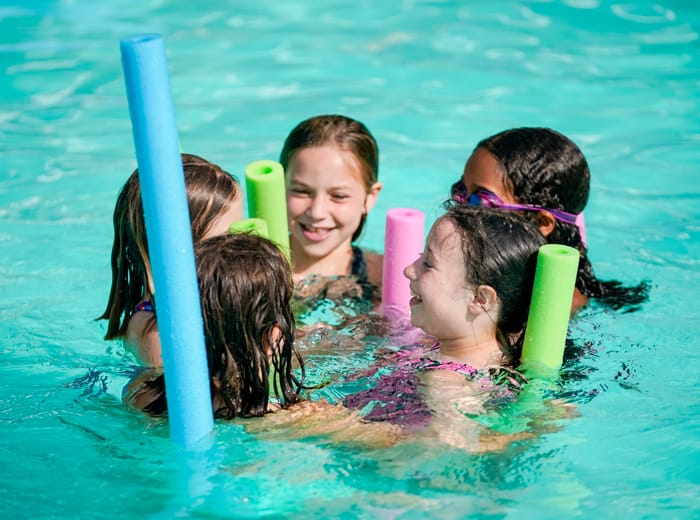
(320, 418)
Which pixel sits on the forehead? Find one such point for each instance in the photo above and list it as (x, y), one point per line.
(443, 236)
(483, 171)
(328, 162)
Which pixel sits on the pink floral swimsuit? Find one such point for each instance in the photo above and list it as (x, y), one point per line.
(395, 396)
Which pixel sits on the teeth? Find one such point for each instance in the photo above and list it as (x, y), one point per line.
(314, 229)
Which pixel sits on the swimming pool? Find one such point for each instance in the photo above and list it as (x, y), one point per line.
(430, 79)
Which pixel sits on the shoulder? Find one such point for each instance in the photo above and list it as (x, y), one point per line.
(142, 339)
(146, 391)
(579, 300)
(503, 383)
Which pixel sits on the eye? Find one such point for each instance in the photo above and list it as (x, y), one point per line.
(340, 196)
(298, 190)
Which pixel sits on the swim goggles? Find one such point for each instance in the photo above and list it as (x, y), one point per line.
(483, 197)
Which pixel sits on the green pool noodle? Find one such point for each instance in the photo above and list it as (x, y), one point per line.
(550, 307)
(267, 199)
(257, 226)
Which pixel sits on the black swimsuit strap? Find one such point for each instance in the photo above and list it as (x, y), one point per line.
(358, 267)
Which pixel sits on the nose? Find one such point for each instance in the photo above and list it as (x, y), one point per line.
(410, 271)
(317, 208)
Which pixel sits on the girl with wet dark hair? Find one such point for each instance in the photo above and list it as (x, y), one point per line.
(245, 287)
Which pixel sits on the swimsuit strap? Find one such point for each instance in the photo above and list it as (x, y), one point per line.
(358, 267)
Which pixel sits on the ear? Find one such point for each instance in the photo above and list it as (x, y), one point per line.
(372, 194)
(546, 223)
(485, 299)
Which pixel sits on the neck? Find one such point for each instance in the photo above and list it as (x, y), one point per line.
(337, 262)
(477, 352)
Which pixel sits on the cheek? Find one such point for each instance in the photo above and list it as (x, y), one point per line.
(352, 212)
(237, 210)
(295, 205)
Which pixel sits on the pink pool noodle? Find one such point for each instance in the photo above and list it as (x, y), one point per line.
(403, 243)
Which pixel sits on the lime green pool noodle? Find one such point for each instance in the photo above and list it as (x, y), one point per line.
(550, 307)
(267, 199)
(256, 226)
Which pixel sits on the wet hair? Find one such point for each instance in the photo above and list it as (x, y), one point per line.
(246, 288)
(210, 192)
(346, 133)
(245, 285)
(500, 250)
(544, 167)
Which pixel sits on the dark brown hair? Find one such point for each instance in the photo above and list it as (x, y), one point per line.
(245, 285)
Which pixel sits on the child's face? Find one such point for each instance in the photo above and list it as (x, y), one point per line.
(482, 171)
(221, 224)
(326, 197)
(440, 300)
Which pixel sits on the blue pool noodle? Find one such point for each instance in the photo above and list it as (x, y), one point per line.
(169, 238)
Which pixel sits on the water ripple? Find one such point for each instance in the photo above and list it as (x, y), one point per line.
(648, 15)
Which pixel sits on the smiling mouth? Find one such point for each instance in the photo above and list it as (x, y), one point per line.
(315, 234)
(415, 299)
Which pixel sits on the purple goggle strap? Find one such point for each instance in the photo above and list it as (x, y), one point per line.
(494, 201)
(487, 198)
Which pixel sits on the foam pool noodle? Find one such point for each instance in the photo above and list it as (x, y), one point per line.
(267, 199)
(550, 306)
(257, 226)
(403, 243)
(169, 235)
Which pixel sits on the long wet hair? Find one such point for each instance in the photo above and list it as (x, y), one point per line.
(245, 285)
(348, 135)
(500, 250)
(210, 192)
(544, 167)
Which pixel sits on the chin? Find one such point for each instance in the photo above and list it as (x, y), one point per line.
(317, 250)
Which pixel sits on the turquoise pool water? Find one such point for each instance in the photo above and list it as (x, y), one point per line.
(430, 79)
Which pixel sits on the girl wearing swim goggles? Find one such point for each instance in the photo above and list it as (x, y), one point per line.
(543, 166)
(483, 197)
